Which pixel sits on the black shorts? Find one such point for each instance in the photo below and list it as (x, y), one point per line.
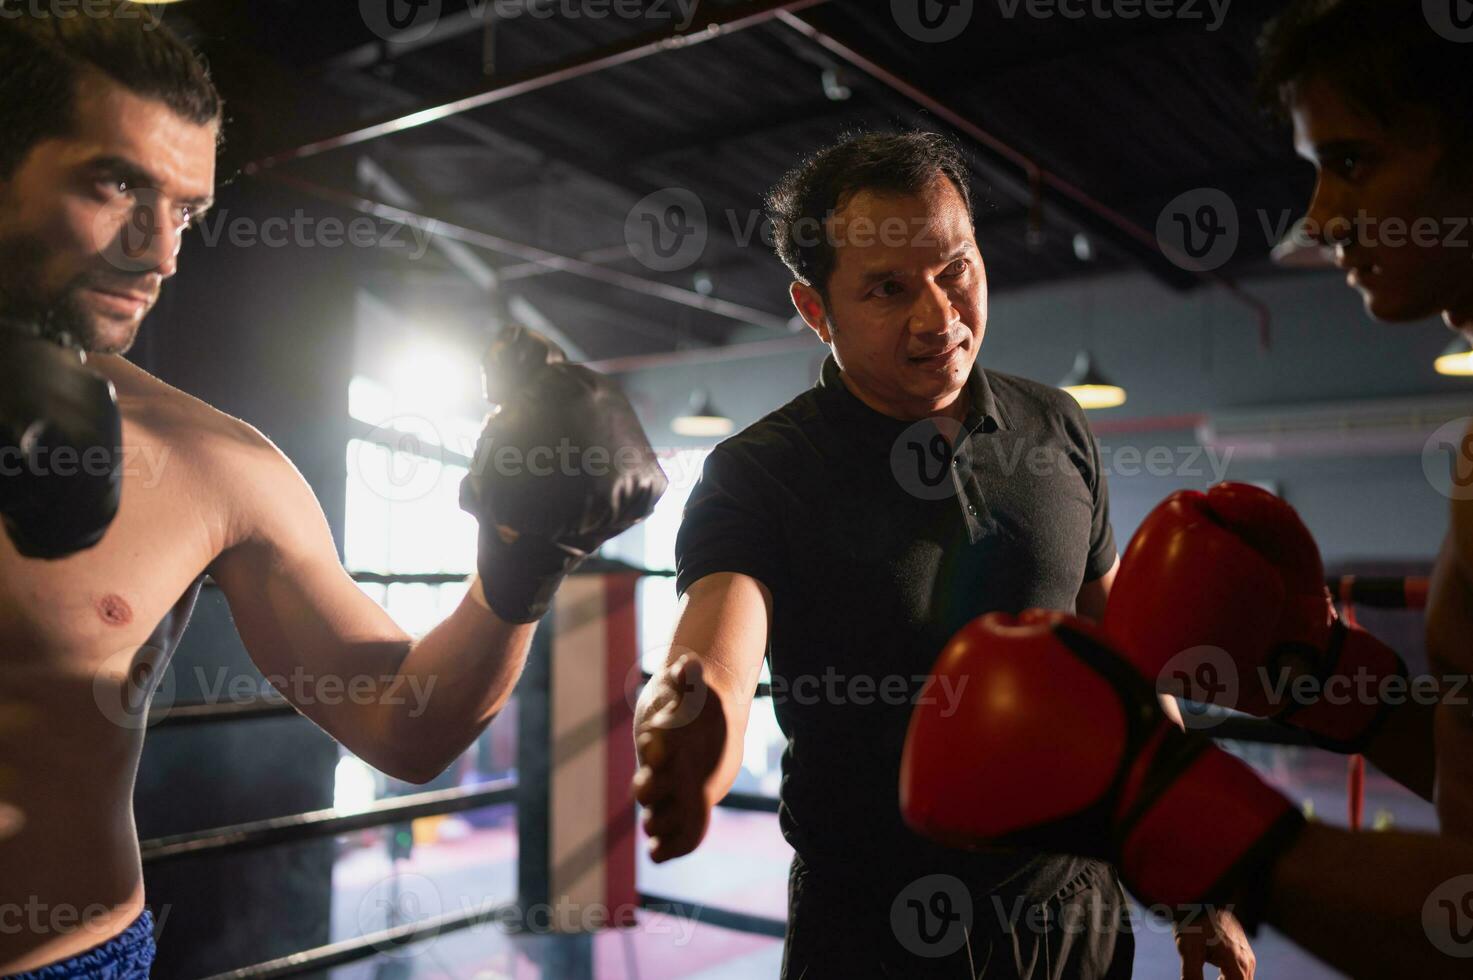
(935, 928)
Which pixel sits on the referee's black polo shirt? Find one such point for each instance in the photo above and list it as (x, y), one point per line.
(877, 544)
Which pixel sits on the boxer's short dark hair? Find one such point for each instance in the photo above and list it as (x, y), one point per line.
(43, 56)
(1381, 55)
(896, 163)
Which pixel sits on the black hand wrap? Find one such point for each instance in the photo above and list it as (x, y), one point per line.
(562, 467)
(61, 443)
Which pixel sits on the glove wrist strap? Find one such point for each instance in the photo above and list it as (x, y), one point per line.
(1350, 705)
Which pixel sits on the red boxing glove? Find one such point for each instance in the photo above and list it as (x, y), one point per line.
(1057, 743)
(1221, 598)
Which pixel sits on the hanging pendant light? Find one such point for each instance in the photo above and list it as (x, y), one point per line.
(701, 419)
(1089, 387)
(1457, 360)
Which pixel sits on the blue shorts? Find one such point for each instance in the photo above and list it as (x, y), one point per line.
(126, 956)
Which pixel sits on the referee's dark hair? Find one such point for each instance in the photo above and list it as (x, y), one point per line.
(801, 203)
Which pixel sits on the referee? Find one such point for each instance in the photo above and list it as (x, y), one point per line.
(845, 537)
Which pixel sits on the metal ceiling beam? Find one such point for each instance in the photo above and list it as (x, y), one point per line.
(1136, 239)
(531, 253)
(468, 261)
(799, 343)
(707, 26)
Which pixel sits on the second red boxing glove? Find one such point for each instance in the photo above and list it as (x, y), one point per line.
(1221, 597)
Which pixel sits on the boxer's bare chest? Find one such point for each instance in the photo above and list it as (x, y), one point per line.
(110, 616)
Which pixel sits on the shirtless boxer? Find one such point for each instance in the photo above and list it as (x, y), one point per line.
(1382, 104)
(110, 125)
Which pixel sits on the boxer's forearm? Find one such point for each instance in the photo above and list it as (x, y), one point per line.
(1403, 749)
(459, 675)
(1356, 900)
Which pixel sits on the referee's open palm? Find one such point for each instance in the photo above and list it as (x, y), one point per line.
(680, 750)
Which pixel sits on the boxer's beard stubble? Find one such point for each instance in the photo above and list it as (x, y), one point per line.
(59, 318)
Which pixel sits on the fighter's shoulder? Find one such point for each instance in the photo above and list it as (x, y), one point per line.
(217, 451)
(202, 433)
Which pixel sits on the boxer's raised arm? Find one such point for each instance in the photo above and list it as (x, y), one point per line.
(406, 707)
(560, 468)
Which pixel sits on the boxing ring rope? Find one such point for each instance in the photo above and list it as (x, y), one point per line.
(1409, 592)
(298, 827)
(365, 947)
(1379, 592)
